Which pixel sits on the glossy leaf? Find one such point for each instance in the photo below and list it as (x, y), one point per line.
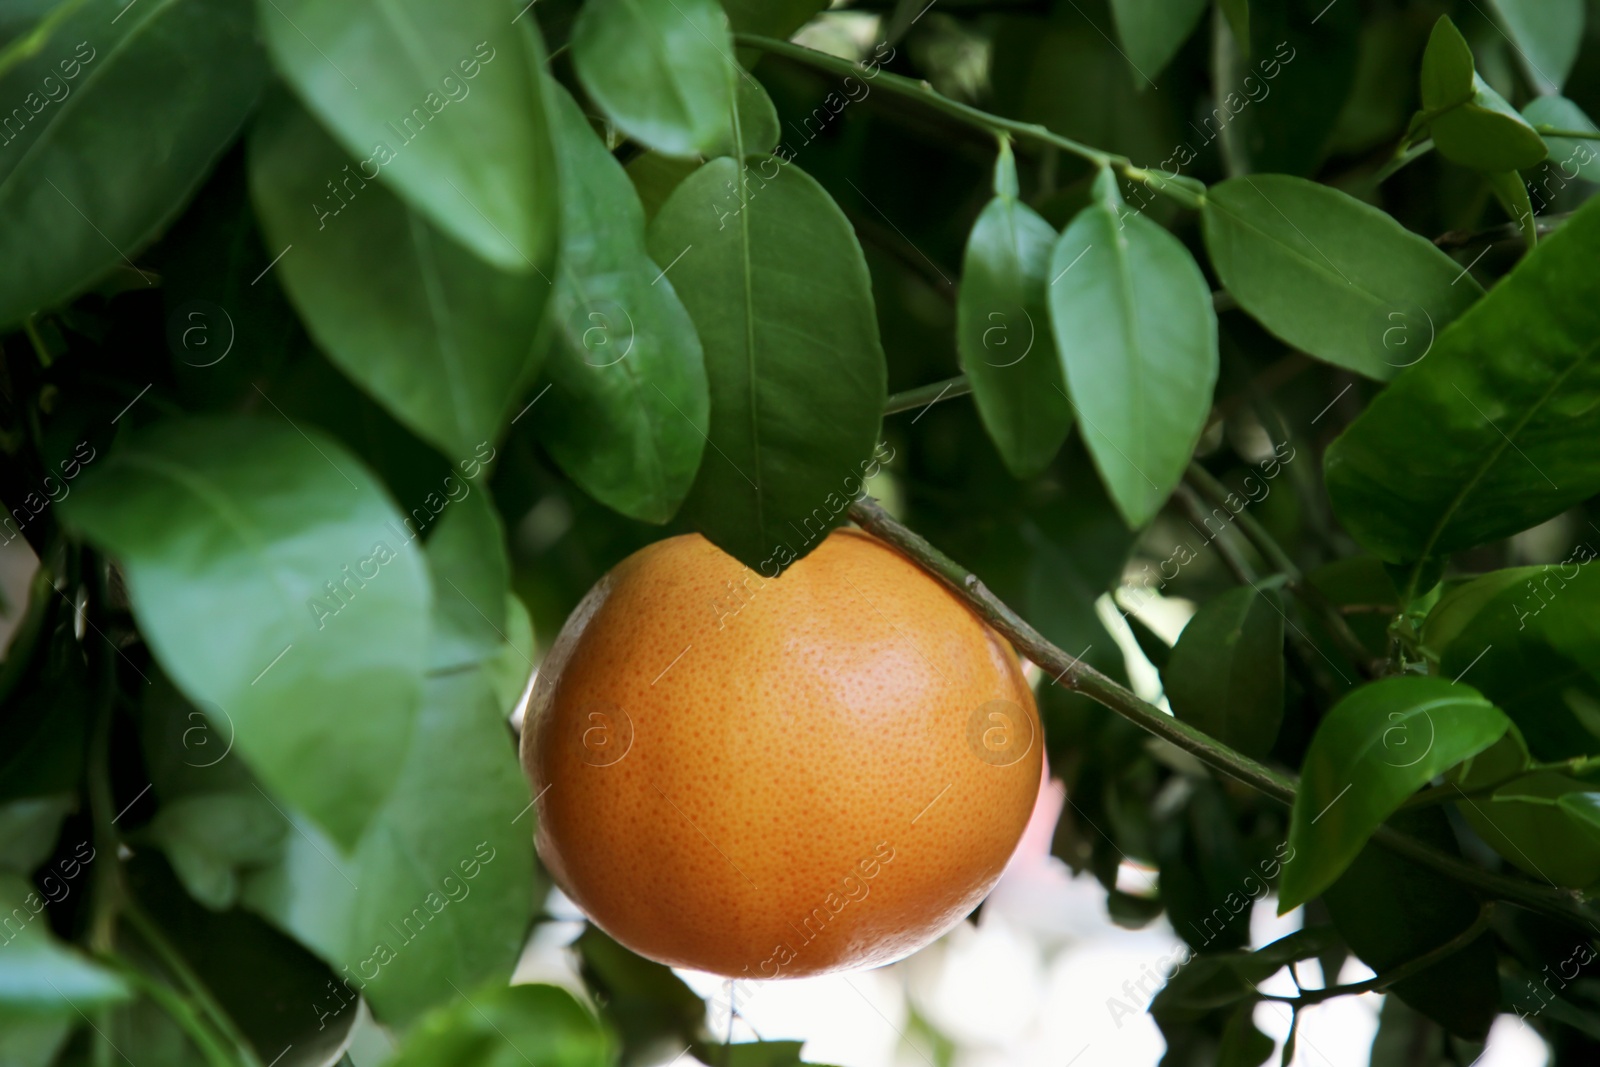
(660, 69)
(1545, 37)
(438, 102)
(1132, 319)
(1574, 157)
(1541, 822)
(1497, 429)
(1330, 275)
(1226, 671)
(1151, 31)
(441, 338)
(502, 1025)
(629, 408)
(1529, 639)
(110, 127)
(38, 974)
(439, 889)
(1373, 749)
(796, 394)
(1487, 134)
(471, 574)
(1003, 332)
(267, 576)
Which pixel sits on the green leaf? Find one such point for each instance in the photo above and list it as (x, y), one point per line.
(1545, 35)
(442, 339)
(1391, 910)
(797, 393)
(659, 69)
(471, 575)
(38, 974)
(771, 18)
(629, 409)
(758, 121)
(1237, 12)
(107, 136)
(646, 1003)
(1487, 134)
(439, 889)
(1242, 1044)
(1003, 333)
(391, 80)
(272, 580)
(1540, 822)
(512, 664)
(1575, 157)
(497, 1026)
(209, 836)
(1132, 319)
(1447, 67)
(1530, 638)
(1376, 747)
(1226, 671)
(1512, 192)
(28, 830)
(1330, 275)
(1151, 32)
(1497, 429)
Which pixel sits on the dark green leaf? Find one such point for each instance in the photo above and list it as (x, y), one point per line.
(662, 70)
(1226, 671)
(111, 125)
(1132, 319)
(1576, 157)
(439, 890)
(1497, 429)
(497, 1026)
(796, 396)
(391, 80)
(28, 831)
(650, 1007)
(271, 578)
(467, 558)
(208, 836)
(1152, 30)
(1486, 133)
(1330, 275)
(1376, 747)
(1512, 192)
(771, 18)
(39, 975)
(1242, 1044)
(1447, 67)
(1391, 911)
(628, 413)
(1237, 12)
(438, 336)
(1545, 35)
(1003, 333)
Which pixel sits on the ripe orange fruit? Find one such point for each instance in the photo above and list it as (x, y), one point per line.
(782, 777)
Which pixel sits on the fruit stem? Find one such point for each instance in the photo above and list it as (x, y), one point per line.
(1069, 671)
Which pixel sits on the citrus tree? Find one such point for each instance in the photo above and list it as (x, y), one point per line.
(348, 344)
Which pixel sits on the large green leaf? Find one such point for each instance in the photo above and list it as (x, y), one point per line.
(1545, 35)
(105, 139)
(498, 1026)
(1530, 637)
(439, 889)
(1226, 671)
(1376, 747)
(779, 293)
(629, 409)
(1131, 314)
(441, 338)
(471, 575)
(1003, 330)
(1152, 30)
(1470, 122)
(267, 576)
(1497, 429)
(38, 974)
(663, 70)
(440, 102)
(1330, 275)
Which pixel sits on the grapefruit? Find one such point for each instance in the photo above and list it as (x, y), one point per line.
(778, 777)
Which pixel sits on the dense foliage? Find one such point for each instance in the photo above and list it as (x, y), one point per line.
(348, 343)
